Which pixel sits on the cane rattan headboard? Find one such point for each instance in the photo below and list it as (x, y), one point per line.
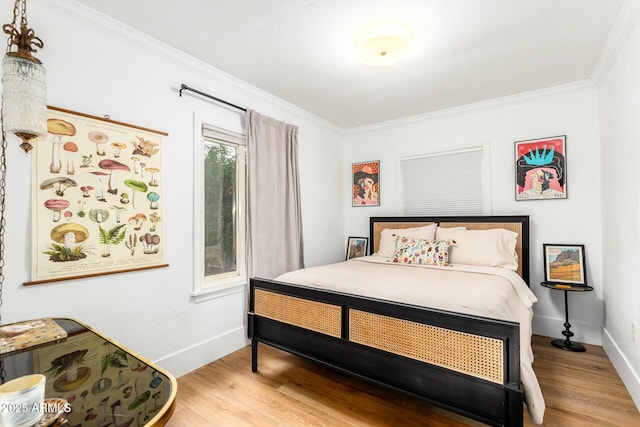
(518, 224)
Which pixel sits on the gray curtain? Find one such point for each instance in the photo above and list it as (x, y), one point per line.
(274, 219)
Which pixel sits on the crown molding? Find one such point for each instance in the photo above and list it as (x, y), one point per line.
(242, 91)
(477, 106)
(626, 20)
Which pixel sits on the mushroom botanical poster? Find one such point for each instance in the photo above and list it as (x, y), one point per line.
(97, 198)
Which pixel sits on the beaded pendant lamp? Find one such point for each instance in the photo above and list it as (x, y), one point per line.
(24, 103)
(24, 89)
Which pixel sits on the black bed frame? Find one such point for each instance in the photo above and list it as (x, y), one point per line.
(489, 402)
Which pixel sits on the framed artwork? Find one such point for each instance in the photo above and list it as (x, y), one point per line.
(366, 187)
(97, 196)
(357, 247)
(564, 264)
(541, 171)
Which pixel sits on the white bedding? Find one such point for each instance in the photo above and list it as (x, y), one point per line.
(484, 291)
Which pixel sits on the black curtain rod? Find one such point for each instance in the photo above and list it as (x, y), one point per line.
(185, 87)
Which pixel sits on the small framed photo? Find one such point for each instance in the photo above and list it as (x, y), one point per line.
(357, 247)
(365, 184)
(564, 264)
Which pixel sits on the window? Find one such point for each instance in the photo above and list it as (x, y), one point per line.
(220, 212)
(447, 183)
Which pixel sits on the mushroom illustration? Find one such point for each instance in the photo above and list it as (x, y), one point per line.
(150, 243)
(153, 171)
(142, 165)
(71, 371)
(137, 220)
(135, 186)
(99, 187)
(98, 215)
(69, 234)
(81, 205)
(124, 198)
(156, 381)
(68, 215)
(113, 167)
(90, 414)
(117, 147)
(56, 205)
(84, 395)
(140, 398)
(135, 163)
(118, 210)
(156, 405)
(154, 219)
(144, 147)
(85, 190)
(70, 148)
(59, 184)
(153, 197)
(58, 128)
(99, 138)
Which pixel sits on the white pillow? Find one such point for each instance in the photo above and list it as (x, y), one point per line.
(442, 232)
(388, 237)
(491, 248)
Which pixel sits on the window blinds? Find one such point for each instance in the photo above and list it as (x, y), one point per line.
(448, 183)
(222, 135)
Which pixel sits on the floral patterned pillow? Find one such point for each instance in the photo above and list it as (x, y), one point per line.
(410, 250)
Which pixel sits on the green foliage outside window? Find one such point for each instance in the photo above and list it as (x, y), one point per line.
(219, 208)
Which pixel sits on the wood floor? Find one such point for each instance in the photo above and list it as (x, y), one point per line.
(580, 389)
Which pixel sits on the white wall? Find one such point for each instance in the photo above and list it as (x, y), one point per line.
(572, 111)
(620, 157)
(97, 66)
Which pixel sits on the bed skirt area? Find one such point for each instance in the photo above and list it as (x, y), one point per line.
(464, 363)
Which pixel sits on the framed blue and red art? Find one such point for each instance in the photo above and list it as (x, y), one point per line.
(541, 171)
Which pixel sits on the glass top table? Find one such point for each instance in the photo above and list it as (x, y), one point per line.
(104, 383)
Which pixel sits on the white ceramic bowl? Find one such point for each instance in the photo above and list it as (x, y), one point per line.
(21, 401)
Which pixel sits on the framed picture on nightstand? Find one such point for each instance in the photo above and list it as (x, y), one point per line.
(357, 247)
(564, 264)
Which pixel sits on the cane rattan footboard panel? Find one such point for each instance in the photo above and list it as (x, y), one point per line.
(464, 363)
(467, 364)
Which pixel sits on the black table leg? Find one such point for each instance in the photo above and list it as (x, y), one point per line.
(566, 344)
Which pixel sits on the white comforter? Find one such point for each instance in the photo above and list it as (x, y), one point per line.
(484, 291)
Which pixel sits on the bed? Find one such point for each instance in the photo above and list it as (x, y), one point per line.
(436, 339)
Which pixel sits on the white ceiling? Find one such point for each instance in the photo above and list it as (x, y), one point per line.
(465, 51)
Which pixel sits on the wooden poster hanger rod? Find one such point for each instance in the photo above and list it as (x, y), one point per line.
(222, 101)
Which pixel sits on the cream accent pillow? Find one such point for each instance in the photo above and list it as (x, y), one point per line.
(388, 237)
(490, 248)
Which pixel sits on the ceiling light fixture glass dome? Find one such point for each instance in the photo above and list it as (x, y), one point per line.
(383, 43)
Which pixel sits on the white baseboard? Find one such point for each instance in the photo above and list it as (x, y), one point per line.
(553, 327)
(629, 376)
(192, 358)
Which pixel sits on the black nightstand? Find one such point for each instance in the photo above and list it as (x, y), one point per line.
(567, 344)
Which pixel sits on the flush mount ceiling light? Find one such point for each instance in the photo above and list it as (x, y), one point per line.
(383, 43)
